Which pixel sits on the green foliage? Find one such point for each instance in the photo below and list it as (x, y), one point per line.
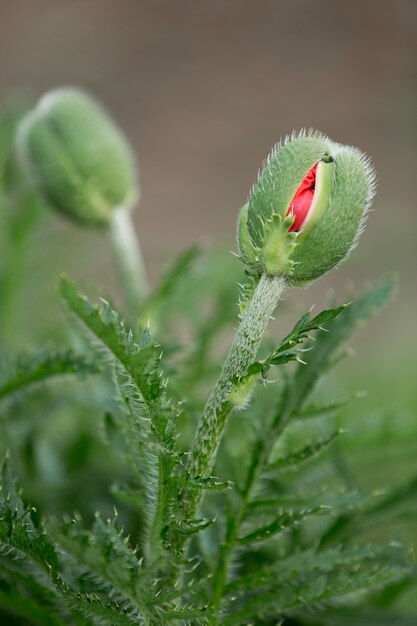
(150, 414)
(304, 454)
(30, 371)
(270, 556)
(287, 350)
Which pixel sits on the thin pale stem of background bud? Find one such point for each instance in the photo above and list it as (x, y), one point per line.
(129, 260)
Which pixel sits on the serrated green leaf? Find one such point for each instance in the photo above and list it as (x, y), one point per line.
(303, 454)
(316, 410)
(105, 551)
(30, 371)
(188, 527)
(210, 483)
(305, 564)
(325, 503)
(103, 611)
(27, 593)
(307, 324)
(287, 350)
(17, 531)
(186, 614)
(140, 364)
(151, 414)
(322, 588)
(339, 329)
(284, 521)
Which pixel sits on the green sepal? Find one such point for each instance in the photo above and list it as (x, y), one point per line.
(278, 245)
(249, 254)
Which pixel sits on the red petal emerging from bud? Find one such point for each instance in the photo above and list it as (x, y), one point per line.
(301, 203)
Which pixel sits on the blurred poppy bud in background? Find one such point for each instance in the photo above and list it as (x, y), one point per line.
(307, 208)
(76, 157)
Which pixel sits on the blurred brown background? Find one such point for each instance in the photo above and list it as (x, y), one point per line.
(204, 89)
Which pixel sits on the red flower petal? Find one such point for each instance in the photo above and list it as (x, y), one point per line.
(301, 202)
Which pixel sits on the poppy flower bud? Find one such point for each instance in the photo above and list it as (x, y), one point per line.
(77, 158)
(307, 208)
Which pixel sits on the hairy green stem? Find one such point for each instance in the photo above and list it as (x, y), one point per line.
(154, 546)
(218, 409)
(129, 260)
(242, 354)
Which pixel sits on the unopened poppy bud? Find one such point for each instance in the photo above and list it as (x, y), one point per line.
(76, 157)
(306, 210)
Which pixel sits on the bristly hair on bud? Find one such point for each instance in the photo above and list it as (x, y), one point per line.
(307, 209)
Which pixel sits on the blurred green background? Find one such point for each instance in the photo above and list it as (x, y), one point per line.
(203, 90)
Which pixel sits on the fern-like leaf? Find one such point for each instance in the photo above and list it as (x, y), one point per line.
(28, 371)
(322, 588)
(287, 520)
(305, 564)
(304, 454)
